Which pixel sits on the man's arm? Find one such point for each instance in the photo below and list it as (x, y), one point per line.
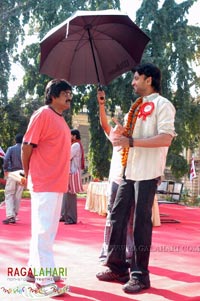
(155, 141)
(102, 112)
(26, 156)
(6, 162)
(160, 140)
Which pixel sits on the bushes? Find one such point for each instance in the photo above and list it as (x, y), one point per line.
(1, 195)
(25, 194)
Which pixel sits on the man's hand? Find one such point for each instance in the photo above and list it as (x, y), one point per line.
(120, 141)
(118, 129)
(23, 181)
(101, 97)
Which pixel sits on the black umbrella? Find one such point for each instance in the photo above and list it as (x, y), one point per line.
(92, 47)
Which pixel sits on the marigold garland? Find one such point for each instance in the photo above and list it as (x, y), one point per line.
(129, 127)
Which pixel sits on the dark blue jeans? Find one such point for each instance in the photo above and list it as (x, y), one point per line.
(129, 237)
(141, 200)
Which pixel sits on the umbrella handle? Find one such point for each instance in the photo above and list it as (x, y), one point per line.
(100, 88)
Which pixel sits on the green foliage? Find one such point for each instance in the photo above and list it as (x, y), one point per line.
(178, 164)
(103, 4)
(25, 195)
(99, 147)
(2, 195)
(11, 20)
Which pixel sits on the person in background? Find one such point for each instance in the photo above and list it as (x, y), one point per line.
(69, 204)
(115, 177)
(47, 165)
(149, 131)
(13, 188)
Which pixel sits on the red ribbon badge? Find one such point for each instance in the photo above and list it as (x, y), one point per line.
(145, 110)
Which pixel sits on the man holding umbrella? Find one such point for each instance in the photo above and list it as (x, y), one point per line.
(148, 134)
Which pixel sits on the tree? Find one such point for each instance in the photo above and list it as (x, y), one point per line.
(12, 21)
(99, 146)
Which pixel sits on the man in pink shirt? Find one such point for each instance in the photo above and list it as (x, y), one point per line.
(46, 167)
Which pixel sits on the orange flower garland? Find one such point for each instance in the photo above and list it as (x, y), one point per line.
(129, 127)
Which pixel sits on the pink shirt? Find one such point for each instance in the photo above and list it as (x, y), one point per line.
(50, 159)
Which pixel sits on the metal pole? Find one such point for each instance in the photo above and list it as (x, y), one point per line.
(88, 27)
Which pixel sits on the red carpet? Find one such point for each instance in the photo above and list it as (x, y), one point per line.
(174, 262)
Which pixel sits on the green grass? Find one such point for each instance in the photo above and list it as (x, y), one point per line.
(1, 195)
(81, 195)
(25, 195)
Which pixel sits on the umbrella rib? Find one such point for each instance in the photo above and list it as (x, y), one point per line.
(98, 32)
(93, 54)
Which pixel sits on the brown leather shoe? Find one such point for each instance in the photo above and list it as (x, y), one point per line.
(134, 285)
(109, 275)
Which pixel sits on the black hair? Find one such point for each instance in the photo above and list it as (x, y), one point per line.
(19, 138)
(54, 87)
(148, 70)
(77, 133)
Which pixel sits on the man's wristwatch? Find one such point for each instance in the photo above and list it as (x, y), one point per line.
(130, 142)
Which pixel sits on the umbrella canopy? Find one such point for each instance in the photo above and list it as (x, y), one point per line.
(92, 47)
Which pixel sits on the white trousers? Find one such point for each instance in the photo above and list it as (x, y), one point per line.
(45, 215)
(13, 194)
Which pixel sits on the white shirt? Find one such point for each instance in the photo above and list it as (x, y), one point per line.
(76, 154)
(149, 163)
(115, 172)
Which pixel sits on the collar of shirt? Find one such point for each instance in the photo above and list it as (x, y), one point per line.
(150, 97)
